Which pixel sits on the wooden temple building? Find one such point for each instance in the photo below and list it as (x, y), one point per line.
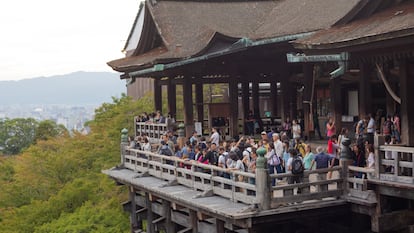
(342, 59)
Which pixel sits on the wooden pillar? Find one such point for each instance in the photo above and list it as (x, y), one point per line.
(390, 104)
(336, 102)
(307, 96)
(364, 90)
(407, 98)
(255, 99)
(193, 221)
(284, 103)
(245, 103)
(157, 95)
(150, 215)
(234, 111)
(220, 226)
(188, 106)
(169, 225)
(199, 102)
(133, 214)
(292, 98)
(273, 97)
(256, 103)
(172, 98)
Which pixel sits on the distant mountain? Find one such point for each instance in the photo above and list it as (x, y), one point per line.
(76, 88)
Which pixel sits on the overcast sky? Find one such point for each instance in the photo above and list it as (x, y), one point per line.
(51, 37)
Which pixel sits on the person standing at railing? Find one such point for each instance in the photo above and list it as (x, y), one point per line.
(286, 155)
(212, 154)
(193, 139)
(251, 165)
(272, 161)
(223, 157)
(146, 145)
(278, 151)
(307, 160)
(322, 160)
(235, 164)
(397, 127)
(295, 166)
(370, 160)
(359, 157)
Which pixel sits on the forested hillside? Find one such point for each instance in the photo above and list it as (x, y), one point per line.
(56, 185)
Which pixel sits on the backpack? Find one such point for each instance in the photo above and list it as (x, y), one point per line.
(215, 158)
(165, 150)
(297, 165)
(386, 128)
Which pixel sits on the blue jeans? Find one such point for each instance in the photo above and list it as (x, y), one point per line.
(272, 171)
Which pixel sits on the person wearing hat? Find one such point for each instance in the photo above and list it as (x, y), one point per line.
(263, 135)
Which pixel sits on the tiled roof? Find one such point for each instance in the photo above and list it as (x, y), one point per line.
(188, 27)
(395, 22)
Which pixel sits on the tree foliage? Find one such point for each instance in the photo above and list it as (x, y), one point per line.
(18, 134)
(56, 185)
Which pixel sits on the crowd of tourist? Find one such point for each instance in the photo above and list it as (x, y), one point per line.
(285, 151)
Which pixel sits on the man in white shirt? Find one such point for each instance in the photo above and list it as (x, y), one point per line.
(278, 150)
(296, 130)
(215, 136)
(370, 129)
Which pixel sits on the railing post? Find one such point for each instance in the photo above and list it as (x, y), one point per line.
(378, 141)
(124, 145)
(345, 161)
(262, 181)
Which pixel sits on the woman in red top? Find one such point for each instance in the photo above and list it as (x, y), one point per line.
(330, 127)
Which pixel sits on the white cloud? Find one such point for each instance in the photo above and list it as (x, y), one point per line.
(49, 37)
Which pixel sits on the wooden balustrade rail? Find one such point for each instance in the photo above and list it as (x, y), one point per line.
(153, 130)
(314, 186)
(238, 186)
(396, 163)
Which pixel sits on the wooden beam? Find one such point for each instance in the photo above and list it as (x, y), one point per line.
(396, 220)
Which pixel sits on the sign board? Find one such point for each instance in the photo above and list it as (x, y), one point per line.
(198, 128)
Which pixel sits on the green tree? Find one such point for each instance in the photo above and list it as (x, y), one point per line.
(49, 129)
(56, 185)
(16, 135)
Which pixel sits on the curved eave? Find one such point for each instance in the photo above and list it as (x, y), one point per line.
(359, 41)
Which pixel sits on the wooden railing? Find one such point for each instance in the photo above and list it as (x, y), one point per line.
(314, 185)
(396, 163)
(240, 187)
(357, 185)
(154, 131)
(202, 177)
